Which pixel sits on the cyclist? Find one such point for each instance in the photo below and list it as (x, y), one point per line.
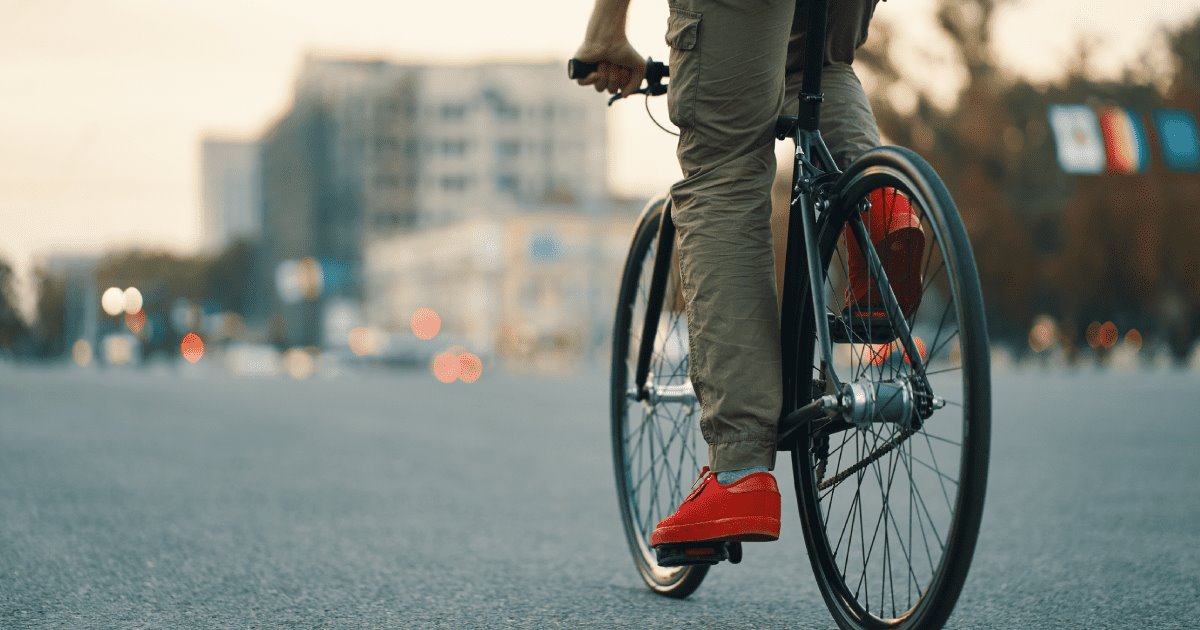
(735, 67)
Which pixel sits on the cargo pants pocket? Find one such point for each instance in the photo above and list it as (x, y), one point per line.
(683, 33)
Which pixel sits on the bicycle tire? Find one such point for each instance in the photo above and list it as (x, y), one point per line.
(641, 508)
(831, 552)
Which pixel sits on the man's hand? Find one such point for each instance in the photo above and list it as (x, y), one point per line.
(621, 68)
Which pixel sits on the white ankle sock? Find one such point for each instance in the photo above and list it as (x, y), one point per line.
(729, 476)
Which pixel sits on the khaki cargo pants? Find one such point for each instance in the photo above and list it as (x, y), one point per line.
(732, 63)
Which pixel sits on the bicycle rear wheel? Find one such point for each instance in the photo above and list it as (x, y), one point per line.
(657, 447)
(891, 512)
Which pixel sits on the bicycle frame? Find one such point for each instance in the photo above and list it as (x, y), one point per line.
(814, 167)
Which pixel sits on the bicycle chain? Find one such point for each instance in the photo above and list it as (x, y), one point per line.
(875, 455)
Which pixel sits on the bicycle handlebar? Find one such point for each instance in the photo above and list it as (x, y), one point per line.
(577, 69)
(655, 73)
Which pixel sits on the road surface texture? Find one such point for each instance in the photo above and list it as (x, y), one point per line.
(185, 499)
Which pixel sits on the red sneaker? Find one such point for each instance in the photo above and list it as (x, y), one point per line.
(897, 236)
(746, 510)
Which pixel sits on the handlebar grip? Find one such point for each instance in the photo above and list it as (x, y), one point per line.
(577, 69)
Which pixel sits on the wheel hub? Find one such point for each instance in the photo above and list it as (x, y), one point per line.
(865, 402)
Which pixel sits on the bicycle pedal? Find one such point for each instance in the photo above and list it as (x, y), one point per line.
(848, 328)
(688, 554)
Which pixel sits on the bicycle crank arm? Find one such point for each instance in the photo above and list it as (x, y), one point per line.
(825, 407)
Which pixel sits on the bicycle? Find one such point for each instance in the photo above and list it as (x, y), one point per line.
(873, 455)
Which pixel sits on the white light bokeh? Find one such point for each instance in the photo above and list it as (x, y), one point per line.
(133, 300)
(113, 301)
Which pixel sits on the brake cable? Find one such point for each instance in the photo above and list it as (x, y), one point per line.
(655, 120)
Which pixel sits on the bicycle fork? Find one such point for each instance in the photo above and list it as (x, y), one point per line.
(654, 303)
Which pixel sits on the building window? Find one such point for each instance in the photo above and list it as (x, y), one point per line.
(506, 111)
(508, 149)
(508, 183)
(453, 111)
(386, 144)
(454, 148)
(455, 183)
(393, 218)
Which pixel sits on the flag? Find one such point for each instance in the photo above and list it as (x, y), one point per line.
(1124, 140)
(1077, 135)
(1179, 139)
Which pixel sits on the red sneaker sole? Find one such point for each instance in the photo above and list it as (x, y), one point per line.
(738, 528)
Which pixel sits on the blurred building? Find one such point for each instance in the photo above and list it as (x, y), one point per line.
(230, 180)
(371, 149)
(531, 287)
(502, 138)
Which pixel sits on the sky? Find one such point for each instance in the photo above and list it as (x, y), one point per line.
(103, 102)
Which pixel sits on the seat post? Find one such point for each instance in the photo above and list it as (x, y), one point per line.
(814, 61)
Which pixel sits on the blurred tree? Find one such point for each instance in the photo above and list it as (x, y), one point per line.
(230, 279)
(160, 276)
(1112, 246)
(215, 283)
(1184, 47)
(1179, 306)
(12, 327)
(976, 146)
(50, 312)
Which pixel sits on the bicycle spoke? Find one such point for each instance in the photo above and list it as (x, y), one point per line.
(880, 520)
(942, 371)
(934, 470)
(938, 437)
(929, 519)
(938, 470)
(916, 494)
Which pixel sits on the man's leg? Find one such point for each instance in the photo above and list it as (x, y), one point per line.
(849, 128)
(727, 70)
(847, 122)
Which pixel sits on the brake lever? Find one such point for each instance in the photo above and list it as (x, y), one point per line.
(619, 95)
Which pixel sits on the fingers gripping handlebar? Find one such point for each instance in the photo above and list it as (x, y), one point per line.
(655, 73)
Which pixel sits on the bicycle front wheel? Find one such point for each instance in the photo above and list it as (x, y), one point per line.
(657, 447)
(890, 510)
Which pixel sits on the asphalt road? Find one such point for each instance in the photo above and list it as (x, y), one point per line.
(160, 499)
